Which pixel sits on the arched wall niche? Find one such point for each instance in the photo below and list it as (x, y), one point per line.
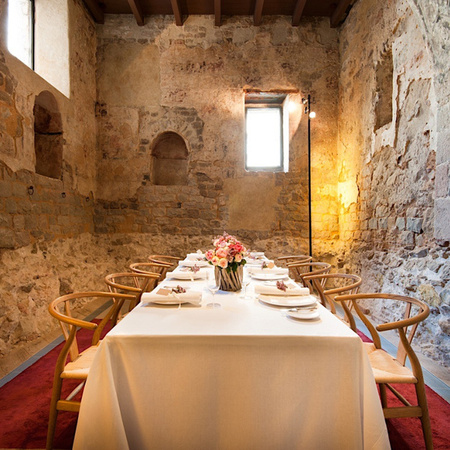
(170, 159)
(48, 136)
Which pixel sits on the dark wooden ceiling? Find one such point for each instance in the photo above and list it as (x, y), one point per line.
(336, 10)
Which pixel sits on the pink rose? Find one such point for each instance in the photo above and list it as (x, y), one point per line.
(223, 263)
(215, 260)
(222, 252)
(238, 258)
(209, 255)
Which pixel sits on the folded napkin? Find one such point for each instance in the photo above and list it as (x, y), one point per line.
(291, 289)
(165, 295)
(256, 255)
(274, 271)
(258, 262)
(181, 274)
(195, 257)
(190, 263)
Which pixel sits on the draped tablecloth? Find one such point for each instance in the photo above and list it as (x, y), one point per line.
(244, 376)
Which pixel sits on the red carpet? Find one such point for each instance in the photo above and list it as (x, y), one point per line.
(24, 406)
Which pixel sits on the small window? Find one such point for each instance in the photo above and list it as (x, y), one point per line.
(21, 30)
(266, 129)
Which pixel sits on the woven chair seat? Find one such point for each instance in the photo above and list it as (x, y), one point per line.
(386, 369)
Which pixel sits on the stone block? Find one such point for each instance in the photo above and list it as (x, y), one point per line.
(443, 147)
(5, 189)
(442, 218)
(444, 324)
(442, 180)
(373, 224)
(7, 238)
(5, 220)
(414, 224)
(383, 224)
(18, 222)
(407, 240)
(400, 223)
(429, 295)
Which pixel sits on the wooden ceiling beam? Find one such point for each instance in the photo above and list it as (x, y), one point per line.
(339, 14)
(176, 8)
(138, 13)
(298, 12)
(217, 13)
(257, 16)
(95, 10)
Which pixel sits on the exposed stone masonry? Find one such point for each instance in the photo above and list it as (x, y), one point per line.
(378, 190)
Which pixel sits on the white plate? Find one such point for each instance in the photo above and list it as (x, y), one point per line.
(168, 302)
(304, 314)
(269, 276)
(187, 276)
(291, 301)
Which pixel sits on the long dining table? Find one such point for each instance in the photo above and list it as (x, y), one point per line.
(244, 375)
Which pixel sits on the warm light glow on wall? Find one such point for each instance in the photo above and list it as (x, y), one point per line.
(347, 193)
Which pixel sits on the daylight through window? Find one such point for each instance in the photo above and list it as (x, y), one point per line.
(265, 129)
(20, 30)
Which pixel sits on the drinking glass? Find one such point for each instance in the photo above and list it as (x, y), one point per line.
(213, 287)
(244, 293)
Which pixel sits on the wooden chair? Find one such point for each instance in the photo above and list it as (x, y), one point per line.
(300, 270)
(172, 261)
(329, 285)
(386, 368)
(79, 362)
(151, 267)
(284, 260)
(130, 283)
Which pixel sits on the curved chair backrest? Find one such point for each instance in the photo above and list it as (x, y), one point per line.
(80, 363)
(151, 267)
(300, 270)
(130, 283)
(62, 309)
(284, 260)
(390, 372)
(329, 285)
(171, 261)
(410, 319)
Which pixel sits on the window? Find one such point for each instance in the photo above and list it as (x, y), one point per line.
(266, 132)
(38, 36)
(21, 30)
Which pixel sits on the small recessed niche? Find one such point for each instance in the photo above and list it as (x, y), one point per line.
(48, 136)
(170, 160)
(384, 73)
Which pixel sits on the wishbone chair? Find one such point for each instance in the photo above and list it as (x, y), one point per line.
(388, 369)
(79, 362)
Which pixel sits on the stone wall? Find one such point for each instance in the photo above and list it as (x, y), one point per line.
(191, 80)
(36, 211)
(387, 174)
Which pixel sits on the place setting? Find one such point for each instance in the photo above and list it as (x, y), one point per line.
(173, 295)
(279, 294)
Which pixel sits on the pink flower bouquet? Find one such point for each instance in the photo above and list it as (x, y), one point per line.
(228, 253)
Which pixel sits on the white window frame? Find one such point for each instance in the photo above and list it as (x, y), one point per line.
(265, 101)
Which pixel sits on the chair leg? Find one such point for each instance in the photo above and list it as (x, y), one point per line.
(56, 395)
(383, 396)
(425, 419)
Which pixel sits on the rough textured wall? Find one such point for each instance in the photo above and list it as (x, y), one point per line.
(387, 174)
(36, 210)
(190, 80)
(433, 18)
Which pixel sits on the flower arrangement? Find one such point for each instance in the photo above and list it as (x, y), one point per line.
(228, 253)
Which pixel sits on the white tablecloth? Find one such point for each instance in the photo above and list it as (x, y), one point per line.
(244, 376)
